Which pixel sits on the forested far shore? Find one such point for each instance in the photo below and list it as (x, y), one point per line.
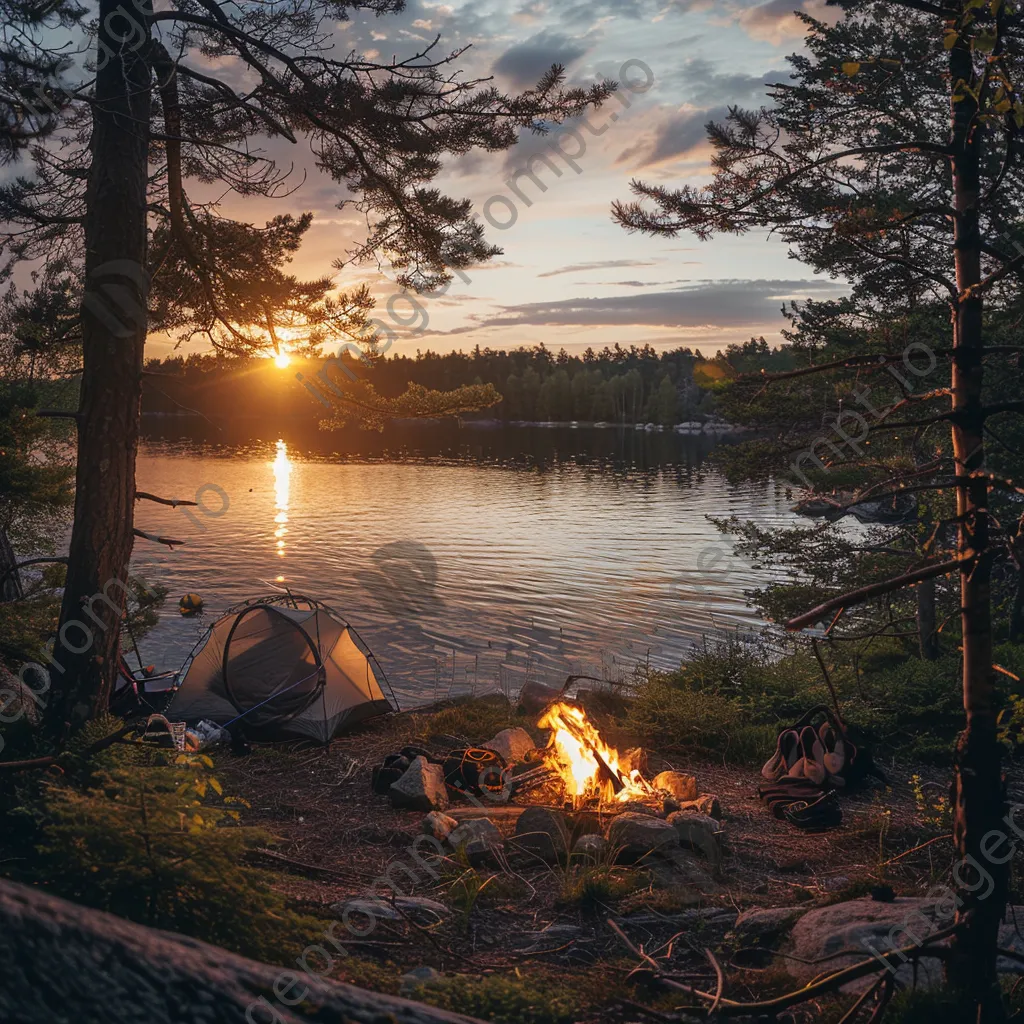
(614, 385)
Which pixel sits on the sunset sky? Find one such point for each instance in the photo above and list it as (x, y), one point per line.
(569, 276)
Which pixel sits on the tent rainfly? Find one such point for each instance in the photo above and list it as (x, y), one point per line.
(282, 667)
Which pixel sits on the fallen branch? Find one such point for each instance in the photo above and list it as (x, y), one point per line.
(62, 560)
(156, 538)
(907, 853)
(173, 502)
(830, 983)
(720, 986)
(847, 1017)
(301, 868)
(93, 748)
(57, 414)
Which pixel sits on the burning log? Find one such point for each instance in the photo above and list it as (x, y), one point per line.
(530, 779)
(588, 766)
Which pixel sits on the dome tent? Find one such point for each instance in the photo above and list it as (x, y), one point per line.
(285, 667)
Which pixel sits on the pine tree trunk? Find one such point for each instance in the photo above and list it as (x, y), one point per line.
(10, 580)
(928, 640)
(1016, 627)
(978, 790)
(84, 663)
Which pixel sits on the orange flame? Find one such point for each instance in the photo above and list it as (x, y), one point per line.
(588, 766)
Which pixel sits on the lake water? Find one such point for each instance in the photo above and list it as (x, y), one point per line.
(467, 558)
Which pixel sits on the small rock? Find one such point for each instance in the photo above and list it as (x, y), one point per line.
(705, 804)
(636, 835)
(421, 787)
(438, 824)
(677, 784)
(590, 848)
(836, 883)
(687, 867)
(699, 832)
(386, 908)
(23, 699)
(412, 980)
(512, 744)
(542, 832)
(478, 837)
(535, 697)
(763, 926)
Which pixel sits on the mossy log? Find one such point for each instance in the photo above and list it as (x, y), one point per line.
(67, 964)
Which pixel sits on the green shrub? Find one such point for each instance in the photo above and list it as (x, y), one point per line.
(148, 835)
(731, 698)
(592, 886)
(670, 716)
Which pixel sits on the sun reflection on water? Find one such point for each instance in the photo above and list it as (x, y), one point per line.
(282, 467)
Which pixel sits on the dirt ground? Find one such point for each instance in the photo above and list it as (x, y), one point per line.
(335, 836)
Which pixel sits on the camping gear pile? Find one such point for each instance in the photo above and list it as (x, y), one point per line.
(477, 771)
(815, 760)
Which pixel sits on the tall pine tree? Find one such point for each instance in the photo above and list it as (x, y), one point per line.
(893, 159)
(120, 107)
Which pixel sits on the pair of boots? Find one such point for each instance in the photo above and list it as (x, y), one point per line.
(809, 764)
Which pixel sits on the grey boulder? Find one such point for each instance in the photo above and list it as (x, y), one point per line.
(699, 832)
(415, 978)
(511, 744)
(590, 848)
(421, 787)
(868, 928)
(543, 833)
(21, 695)
(388, 908)
(478, 838)
(636, 835)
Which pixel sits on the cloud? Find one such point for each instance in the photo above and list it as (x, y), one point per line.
(775, 21)
(637, 284)
(706, 87)
(683, 132)
(573, 268)
(678, 135)
(731, 303)
(524, 63)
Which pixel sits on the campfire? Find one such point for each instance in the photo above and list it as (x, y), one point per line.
(590, 769)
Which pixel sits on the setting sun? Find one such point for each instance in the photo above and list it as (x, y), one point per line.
(281, 360)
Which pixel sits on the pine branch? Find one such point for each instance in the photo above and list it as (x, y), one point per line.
(873, 590)
(156, 538)
(173, 502)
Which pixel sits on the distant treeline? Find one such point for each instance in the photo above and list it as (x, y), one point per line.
(613, 385)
